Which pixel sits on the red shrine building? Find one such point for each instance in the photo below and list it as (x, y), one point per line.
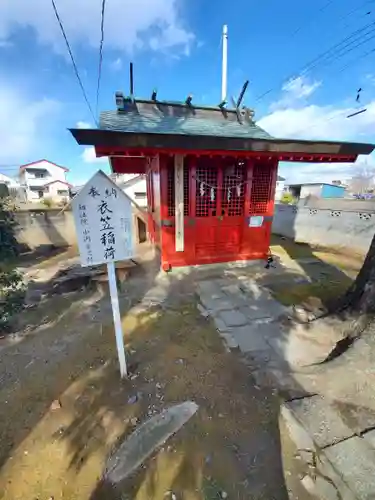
(211, 174)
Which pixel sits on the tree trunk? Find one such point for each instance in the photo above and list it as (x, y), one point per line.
(354, 312)
(360, 297)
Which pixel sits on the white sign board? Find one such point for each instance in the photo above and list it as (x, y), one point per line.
(256, 221)
(103, 219)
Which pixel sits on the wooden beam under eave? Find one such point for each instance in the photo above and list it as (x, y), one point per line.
(179, 201)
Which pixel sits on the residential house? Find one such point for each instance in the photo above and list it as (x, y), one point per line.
(8, 181)
(13, 189)
(280, 184)
(44, 179)
(134, 186)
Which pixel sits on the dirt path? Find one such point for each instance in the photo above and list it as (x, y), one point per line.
(230, 447)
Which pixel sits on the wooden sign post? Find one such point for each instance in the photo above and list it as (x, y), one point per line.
(103, 219)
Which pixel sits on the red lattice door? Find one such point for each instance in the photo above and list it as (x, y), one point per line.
(232, 208)
(207, 205)
(219, 209)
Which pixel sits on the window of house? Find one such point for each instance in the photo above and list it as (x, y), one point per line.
(62, 192)
(140, 195)
(40, 175)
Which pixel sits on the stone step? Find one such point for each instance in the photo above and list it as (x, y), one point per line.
(342, 463)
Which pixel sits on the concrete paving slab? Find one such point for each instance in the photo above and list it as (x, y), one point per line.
(298, 433)
(232, 289)
(203, 311)
(253, 290)
(215, 305)
(233, 318)
(317, 416)
(354, 460)
(220, 325)
(262, 308)
(254, 336)
(338, 490)
(358, 417)
(230, 341)
(249, 338)
(210, 288)
(370, 438)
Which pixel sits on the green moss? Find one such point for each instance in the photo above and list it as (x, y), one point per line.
(324, 290)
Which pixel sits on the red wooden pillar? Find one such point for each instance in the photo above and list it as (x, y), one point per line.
(166, 228)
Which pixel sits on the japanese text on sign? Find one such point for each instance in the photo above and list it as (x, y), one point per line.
(103, 220)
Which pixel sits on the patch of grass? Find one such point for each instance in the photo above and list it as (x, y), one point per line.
(231, 444)
(315, 294)
(350, 264)
(286, 247)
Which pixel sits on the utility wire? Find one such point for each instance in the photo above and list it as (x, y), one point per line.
(100, 56)
(345, 16)
(316, 61)
(322, 9)
(353, 61)
(72, 59)
(320, 122)
(327, 120)
(341, 113)
(337, 50)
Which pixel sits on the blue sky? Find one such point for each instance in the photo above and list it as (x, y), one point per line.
(175, 46)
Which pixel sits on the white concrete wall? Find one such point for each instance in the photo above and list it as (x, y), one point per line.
(279, 190)
(350, 231)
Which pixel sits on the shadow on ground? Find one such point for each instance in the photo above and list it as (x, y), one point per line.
(231, 445)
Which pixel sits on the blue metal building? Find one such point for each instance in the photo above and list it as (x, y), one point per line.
(320, 190)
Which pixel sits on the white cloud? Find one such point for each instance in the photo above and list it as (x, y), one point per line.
(89, 156)
(319, 122)
(83, 125)
(116, 65)
(129, 25)
(295, 92)
(22, 124)
(300, 87)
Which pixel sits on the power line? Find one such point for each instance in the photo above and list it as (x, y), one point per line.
(322, 9)
(334, 116)
(353, 61)
(345, 16)
(316, 61)
(341, 113)
(326, 55)
(320, 122)
(100, 55)
(72, 59)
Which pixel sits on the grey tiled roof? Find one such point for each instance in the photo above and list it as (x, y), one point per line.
(155, 122)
